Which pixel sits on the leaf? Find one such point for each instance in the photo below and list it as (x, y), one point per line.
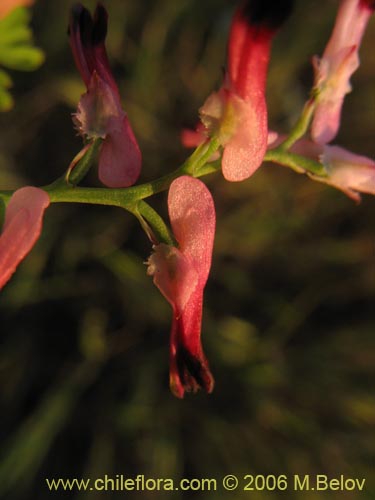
(16, 17)
(5, 80)
(16, 50)
(18, 34)
(6, 100)
(22, 57)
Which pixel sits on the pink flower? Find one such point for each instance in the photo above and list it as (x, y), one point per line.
(333, 71)
(99, 113)
(21, 229)
(237, 113)
(7, 6)
(193, 138)
(347, 171)
(181, 273)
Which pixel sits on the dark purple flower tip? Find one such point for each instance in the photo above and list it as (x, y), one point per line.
(193, 371)
(92, 31)
(99, 30)
(78, 14)
(369, 4)
(269, 14)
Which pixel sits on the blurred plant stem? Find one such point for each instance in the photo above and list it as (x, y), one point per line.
(27, 449)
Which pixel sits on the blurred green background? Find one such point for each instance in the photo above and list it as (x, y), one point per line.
(289, 307)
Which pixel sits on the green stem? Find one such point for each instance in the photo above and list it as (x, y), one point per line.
(82, 163)
(194, 166)
(160, 232)
(298, 163)
(127, 197)
(302, 125)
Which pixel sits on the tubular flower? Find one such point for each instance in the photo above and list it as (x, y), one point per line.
(237, 113)
(351, 173)
(181, 275)
(99, 113)
(21, 229)
(333, 71)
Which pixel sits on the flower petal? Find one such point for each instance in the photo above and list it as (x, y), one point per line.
(189, 369)
(334, 70)
(245, 151)
(350, 24)
(194, 138)
(120, 157)
(99, 110)
(22, 228)
(349, 172)
(333, 78)
(253, 27)
(192, 215)
(174, 274)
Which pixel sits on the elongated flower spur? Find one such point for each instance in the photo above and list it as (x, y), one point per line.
(237, 113)
(21, 229)
(333, 71)
(181, 275)
(99, 113)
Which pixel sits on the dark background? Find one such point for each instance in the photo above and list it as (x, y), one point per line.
(289, 307)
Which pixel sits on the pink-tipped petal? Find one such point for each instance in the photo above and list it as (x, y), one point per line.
(22, 228)
(349, 172)
(333, 77)
(192, 214)
(244, 152)
(174, 274)
(194, 138)
(120, 158)
(351, 21)
(334, 70)
(326, 122)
